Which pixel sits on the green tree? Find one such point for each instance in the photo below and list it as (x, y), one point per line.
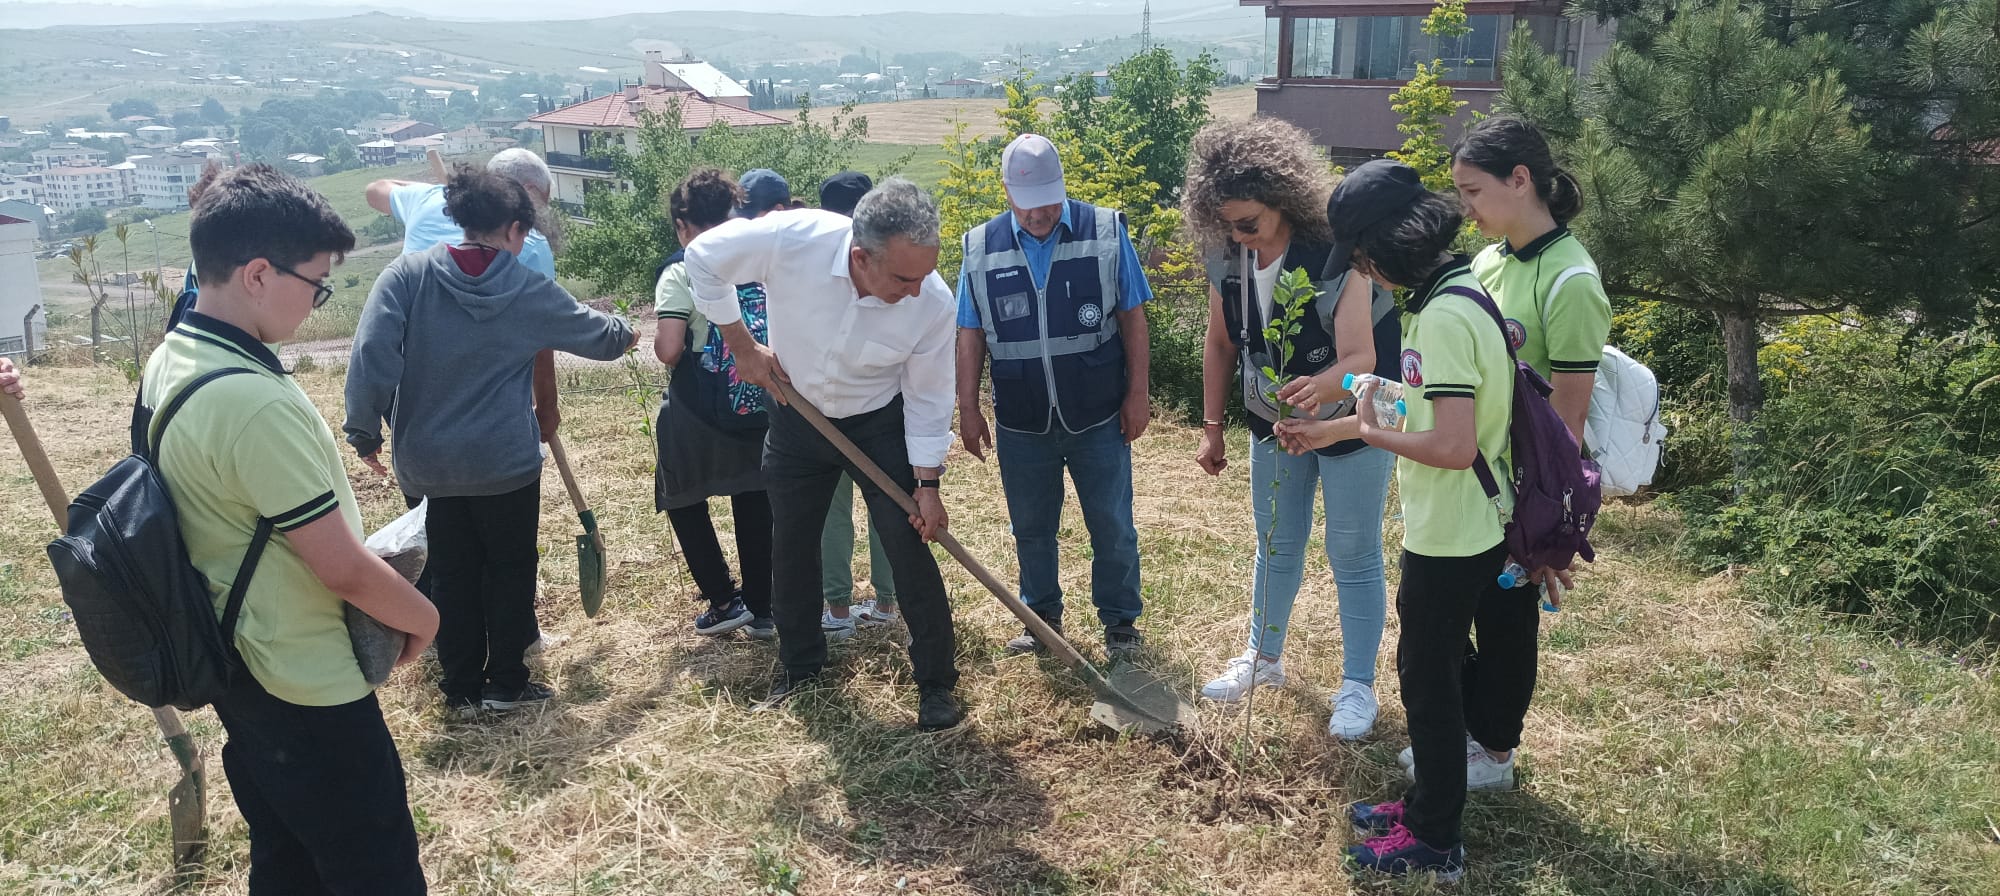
(1100, 166)
(1427, 103)
(87, 221)
(1740, 160)
(212, 111)
(631, 231)
(1155, 99)
(133, 106)
(342, 156)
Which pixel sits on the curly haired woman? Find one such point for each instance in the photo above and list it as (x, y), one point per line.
(1255, 198)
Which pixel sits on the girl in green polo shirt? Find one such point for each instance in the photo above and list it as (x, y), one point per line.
(1544, 281)
(1458, 386)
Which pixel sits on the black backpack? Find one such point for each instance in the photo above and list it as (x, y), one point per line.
(142, 609)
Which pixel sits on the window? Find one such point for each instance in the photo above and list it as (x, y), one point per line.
(1388, 48)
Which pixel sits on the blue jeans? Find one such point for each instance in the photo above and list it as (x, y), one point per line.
(1356, 487)
(1031, 467)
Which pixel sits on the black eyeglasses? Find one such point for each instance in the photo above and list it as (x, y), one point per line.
(1249, 226)
(321, 291)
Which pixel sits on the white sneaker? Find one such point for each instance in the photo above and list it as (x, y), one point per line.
(1354, 710)
(865, 615)
(836, 630)
(1482, 771)
(1408, 758)
(1236, 679)
(546, 641)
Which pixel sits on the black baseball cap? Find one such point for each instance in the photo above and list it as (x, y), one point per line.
(763, 190)
(1366, 197)
(843, 191)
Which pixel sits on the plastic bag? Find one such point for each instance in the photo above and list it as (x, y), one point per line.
(404, 545)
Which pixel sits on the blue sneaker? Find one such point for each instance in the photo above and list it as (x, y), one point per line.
(1401, 854)
(723, 620)
(1375, 819)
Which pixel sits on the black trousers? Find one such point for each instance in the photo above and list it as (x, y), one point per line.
(322, 790)
(696, 532)
(800, 470)
(1448, 690)
(482, 567)
(423, 582)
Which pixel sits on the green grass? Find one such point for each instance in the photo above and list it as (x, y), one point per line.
(1683, 740)
(921, 164)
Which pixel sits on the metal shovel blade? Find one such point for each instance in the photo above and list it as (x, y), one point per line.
(1135, 701)
(590, 565)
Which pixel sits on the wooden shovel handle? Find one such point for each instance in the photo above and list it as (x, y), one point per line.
(1043, 632)
(569, 479)
(38, 460)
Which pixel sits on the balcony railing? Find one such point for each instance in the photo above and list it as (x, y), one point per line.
(579, 162)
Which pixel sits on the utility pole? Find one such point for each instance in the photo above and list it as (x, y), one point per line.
(1146, 28)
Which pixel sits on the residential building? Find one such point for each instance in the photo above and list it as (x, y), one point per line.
(22, 317)
(378, 152)
(415, 149)
(398, 129)
(128, 177)
(33, 211)
(1330, 65)
(22, 188)
(73, 189)
(569, 133)
(62, 155)
(469, 141)
(156, 135)
(305, 164)
(162, 181)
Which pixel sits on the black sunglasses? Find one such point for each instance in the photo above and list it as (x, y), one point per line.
(321, 291)
(1249, 226)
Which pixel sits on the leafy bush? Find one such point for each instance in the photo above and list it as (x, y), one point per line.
(1878, 484)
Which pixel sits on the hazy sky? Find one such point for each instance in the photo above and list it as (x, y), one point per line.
(41, 13)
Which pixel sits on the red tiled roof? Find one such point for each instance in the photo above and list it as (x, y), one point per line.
(613, 111)
(5, 219)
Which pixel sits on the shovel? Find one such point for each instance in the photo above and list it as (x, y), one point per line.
(589, 545)
(187, 802)
(1130, 700)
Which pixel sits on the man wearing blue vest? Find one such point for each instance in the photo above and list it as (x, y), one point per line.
(1053, 291)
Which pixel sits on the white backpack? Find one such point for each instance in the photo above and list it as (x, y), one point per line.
(1623, 432)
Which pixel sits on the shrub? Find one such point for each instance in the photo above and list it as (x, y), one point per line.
(1877, 485)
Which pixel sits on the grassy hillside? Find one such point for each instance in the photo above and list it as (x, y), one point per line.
(1684, 741)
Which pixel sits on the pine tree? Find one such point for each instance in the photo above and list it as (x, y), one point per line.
(1759, 163)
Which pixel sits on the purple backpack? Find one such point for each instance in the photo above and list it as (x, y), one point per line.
(1556, 492)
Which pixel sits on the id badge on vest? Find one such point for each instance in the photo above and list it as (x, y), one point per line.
(1014, 305)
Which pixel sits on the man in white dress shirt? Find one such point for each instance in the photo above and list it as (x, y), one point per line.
(862, 325)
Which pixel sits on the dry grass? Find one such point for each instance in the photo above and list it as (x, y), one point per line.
(1683, 741)
(929, 122)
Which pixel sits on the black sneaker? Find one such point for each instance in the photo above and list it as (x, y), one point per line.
(1028, 643)
(783, 689)
(503, 699)
(723, 620)
(936, 711)
(1122, 640)
(463, 708)
(762, 628)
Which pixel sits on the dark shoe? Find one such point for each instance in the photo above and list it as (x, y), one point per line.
(723, 620)
(936, 711)
(503, 699)
(1122, 640)
(1401, 854)
(463, 708)
(762, 628)
(1028, 643)
(1373, 820)
(783, 689)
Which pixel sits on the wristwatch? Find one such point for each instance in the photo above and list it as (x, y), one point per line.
(930, 483)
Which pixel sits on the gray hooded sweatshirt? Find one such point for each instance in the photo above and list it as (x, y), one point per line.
(447, 358)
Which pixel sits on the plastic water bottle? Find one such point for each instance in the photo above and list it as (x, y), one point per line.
(1387, 395)
(1515, 577)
